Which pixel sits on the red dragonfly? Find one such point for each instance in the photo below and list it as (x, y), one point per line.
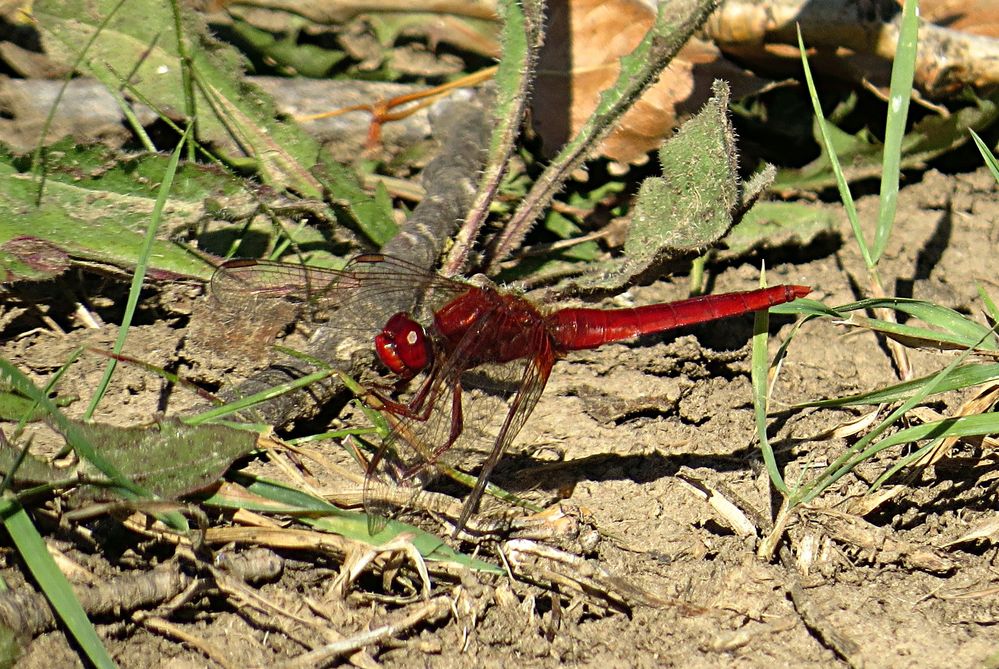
(462, 340)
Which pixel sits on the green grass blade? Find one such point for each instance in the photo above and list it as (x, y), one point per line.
(964, 376)
(960, 426)
(53, 583)
(990, 160)
(805, 307)
(133, 121)
(142, 262)
(760, 367)
(8, 477)
(959, 330)
(990, 304)
(250, 401)
(920, 337)
(332, 434)
(909, 459)
(168, 376)
(944, 318)
(844, 187)
(35, 408)
(848, 460)
(899, 95)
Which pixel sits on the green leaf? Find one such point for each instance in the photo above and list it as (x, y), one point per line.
(862, 156)
(566, 229)
(759, 367)
(308, 60)
(91, 219)
(345, 523)
(99, 169)
(31, 259)
(373, 215)
(690, 207)
(140, 50)
(170, 459)
(77, 440)
(675, 23)
(779, 222)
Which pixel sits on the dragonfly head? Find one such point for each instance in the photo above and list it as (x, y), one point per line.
(403, 346)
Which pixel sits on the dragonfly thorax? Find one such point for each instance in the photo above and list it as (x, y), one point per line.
(403, 346)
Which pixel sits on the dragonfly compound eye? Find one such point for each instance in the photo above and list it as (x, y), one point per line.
(403, 346)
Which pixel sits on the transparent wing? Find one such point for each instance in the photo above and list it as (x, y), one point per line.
(372, 287)
(535, 376)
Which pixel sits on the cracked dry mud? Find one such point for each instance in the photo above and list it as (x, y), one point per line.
(646, 428)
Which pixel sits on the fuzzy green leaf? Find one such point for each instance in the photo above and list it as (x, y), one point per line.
(690, 207)
(170, 459)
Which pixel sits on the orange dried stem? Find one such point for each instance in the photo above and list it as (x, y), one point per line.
(380, 110)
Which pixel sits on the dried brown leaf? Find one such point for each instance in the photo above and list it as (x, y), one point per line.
(584, 42)
(979, 17)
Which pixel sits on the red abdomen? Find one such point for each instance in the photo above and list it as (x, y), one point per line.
(575, 329)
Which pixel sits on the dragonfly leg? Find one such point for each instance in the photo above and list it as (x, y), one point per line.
(416, 410)
(457, 425)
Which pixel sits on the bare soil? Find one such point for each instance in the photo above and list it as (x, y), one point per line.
(647, 441)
